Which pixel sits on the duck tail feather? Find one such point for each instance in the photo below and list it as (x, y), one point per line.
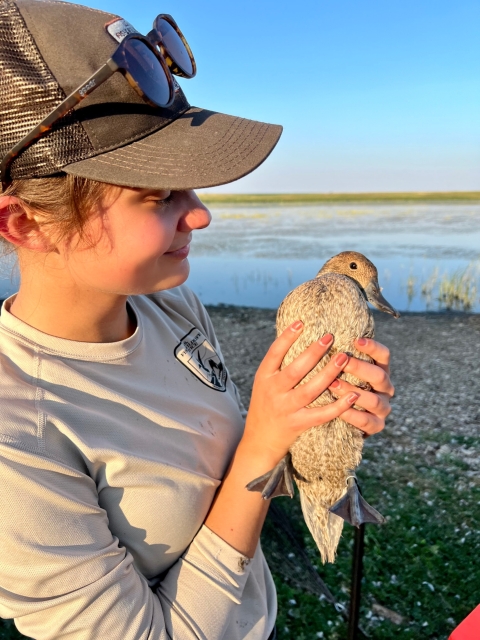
(354, 509)
(277, 482)
(326, 528)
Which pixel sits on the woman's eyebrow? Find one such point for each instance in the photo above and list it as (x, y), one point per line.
(156, 192)
(146, 193)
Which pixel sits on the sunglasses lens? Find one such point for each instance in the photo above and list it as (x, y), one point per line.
(149, 74)
(174, 46)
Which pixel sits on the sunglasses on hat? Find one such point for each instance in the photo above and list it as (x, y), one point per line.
(147, 62)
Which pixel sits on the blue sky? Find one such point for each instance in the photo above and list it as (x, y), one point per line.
(374, 95)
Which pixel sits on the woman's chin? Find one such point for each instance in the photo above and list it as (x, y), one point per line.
(174, 280)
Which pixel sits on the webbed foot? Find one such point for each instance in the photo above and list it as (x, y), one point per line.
(277, 482)
(354, 509)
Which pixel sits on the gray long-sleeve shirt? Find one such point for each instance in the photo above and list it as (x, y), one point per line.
(110, 456)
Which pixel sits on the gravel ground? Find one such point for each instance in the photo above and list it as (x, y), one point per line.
(435, 369)
(421, 472)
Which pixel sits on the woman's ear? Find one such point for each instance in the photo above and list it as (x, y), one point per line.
(22, 226)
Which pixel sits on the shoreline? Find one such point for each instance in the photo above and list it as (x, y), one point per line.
(377, 314)
(453, 197)
(224, 308)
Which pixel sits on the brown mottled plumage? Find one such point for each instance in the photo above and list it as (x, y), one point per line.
(324, 457)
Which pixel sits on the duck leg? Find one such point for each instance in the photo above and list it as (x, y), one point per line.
(353, 508)
(277, 482)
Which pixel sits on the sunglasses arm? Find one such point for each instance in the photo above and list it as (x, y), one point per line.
(71, 101)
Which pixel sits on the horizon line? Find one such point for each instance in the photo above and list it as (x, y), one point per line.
(338, 196)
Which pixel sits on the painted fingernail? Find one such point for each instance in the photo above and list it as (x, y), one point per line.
(341, 359)
(362, 341)
(335, 384)
(352, 398)
(326, 340)
(296, 326)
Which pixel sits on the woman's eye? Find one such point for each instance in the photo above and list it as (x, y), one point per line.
(160, 202)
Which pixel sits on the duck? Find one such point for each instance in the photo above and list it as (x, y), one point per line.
(323, 459)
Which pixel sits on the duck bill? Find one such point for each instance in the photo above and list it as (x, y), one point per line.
(374, 296)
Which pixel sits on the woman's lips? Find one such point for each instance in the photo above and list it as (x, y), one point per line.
(181, 253)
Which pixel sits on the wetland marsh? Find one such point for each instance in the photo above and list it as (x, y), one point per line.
(427, 253)
(254, 252)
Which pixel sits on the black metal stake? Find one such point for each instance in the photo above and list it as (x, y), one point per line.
(357, 566)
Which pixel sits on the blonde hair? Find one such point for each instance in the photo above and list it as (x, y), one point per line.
(66, 201)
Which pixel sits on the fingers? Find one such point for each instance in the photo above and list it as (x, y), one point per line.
(275, 355)
(363, 420)
(308, 392)
(291, 375)
(375, 375)
(379, 352)
(308, 418)
(376, 403)
(306, 361)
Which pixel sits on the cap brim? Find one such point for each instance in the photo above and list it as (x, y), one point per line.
(199, 149)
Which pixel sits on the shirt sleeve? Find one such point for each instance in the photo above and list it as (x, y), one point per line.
(64, 575)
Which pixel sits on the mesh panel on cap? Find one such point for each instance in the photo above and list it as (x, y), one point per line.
(28, 92)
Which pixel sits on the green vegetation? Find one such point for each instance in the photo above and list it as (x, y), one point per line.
(422, 564)
(318, 198)
(457, 291)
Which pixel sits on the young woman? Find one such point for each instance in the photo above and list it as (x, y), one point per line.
(124, 453)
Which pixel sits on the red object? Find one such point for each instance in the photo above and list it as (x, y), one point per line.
(469, 629)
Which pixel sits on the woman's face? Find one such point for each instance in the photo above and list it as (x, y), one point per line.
(139, 241)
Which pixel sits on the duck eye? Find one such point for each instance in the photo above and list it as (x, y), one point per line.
(353, 265)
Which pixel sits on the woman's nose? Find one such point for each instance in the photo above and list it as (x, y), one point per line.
(196, 215)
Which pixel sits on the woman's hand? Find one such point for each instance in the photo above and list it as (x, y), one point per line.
(376, 402)
(278, 411)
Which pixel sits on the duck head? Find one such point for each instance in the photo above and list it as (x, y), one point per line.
(359, 268)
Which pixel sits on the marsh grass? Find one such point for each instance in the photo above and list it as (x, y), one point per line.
(314, 198)
(411, 282)
(245, 216)
(428, 287)
(456, 291)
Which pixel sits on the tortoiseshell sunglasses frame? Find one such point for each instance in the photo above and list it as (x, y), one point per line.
(118, 62)
(156, 39)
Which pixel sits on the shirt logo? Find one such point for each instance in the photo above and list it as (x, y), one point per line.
(196, 353)
(120, 29)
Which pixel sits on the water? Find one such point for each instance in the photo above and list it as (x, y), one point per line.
(8, 276)
(255, 255)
